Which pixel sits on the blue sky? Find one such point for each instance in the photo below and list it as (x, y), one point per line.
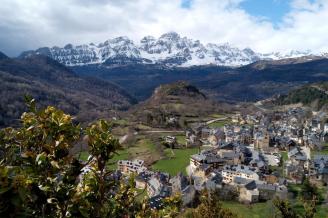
(186, 3)
(274, 10)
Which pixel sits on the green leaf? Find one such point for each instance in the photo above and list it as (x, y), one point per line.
(55, 164)
(40, 158)
(4, 190)
(84, 211)
(15, 200)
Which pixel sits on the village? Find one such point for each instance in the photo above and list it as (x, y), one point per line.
(251, 159)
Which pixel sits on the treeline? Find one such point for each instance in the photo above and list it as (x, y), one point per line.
(306, 95)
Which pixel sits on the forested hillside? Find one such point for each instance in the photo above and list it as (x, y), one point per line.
(51, 83)
(314, 95)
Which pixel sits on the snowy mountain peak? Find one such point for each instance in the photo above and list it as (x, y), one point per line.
(169, 49)
(170, 36)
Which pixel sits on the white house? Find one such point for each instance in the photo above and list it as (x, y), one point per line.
(230, 173)
(127, 166)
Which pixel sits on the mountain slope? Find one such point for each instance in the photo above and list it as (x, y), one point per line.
(52, 83)
(3, 56)
(170, 49)
(257, 81)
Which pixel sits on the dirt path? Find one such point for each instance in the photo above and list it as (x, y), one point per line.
(163, 131)
(216, 120)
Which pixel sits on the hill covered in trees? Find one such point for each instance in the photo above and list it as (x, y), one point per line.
(313, 95)
(174, 104)
(51, 83)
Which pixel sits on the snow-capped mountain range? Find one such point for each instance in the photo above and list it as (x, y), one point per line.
(170, 49)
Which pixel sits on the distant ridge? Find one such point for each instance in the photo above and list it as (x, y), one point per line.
(170, 49)
(3, 56)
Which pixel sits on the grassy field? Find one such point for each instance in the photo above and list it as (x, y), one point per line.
(121, 122)
(219, 124)
(145, 149)
(257, 210)
(122, 155)
(217, 116)
(176, 162)
(181, 139)
(142, 127)
(143, 145)
(284, 155)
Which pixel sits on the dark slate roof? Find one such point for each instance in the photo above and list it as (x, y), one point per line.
(320, 158)
(266, 187)
(251, 185)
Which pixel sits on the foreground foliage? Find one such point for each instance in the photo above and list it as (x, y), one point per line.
(211, 207)
(285, 209)
(40, 178)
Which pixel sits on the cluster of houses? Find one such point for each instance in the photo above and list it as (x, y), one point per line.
(260, 154)
(252, 159)
(158, 185)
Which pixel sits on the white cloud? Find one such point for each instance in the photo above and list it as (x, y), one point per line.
(35, 23)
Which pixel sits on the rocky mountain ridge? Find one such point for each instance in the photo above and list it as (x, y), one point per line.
(170, 49)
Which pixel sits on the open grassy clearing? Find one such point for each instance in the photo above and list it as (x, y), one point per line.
(142, 127)
(219, 124)
(176, 161)
(217, 116)
(144, 149)
(284, 155)
(122, 155)
(258, 210)
(181, 139)
(121, 122)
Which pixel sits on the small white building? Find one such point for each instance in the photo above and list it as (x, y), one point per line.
(229, 174)
(128, 167)
(325, 128)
